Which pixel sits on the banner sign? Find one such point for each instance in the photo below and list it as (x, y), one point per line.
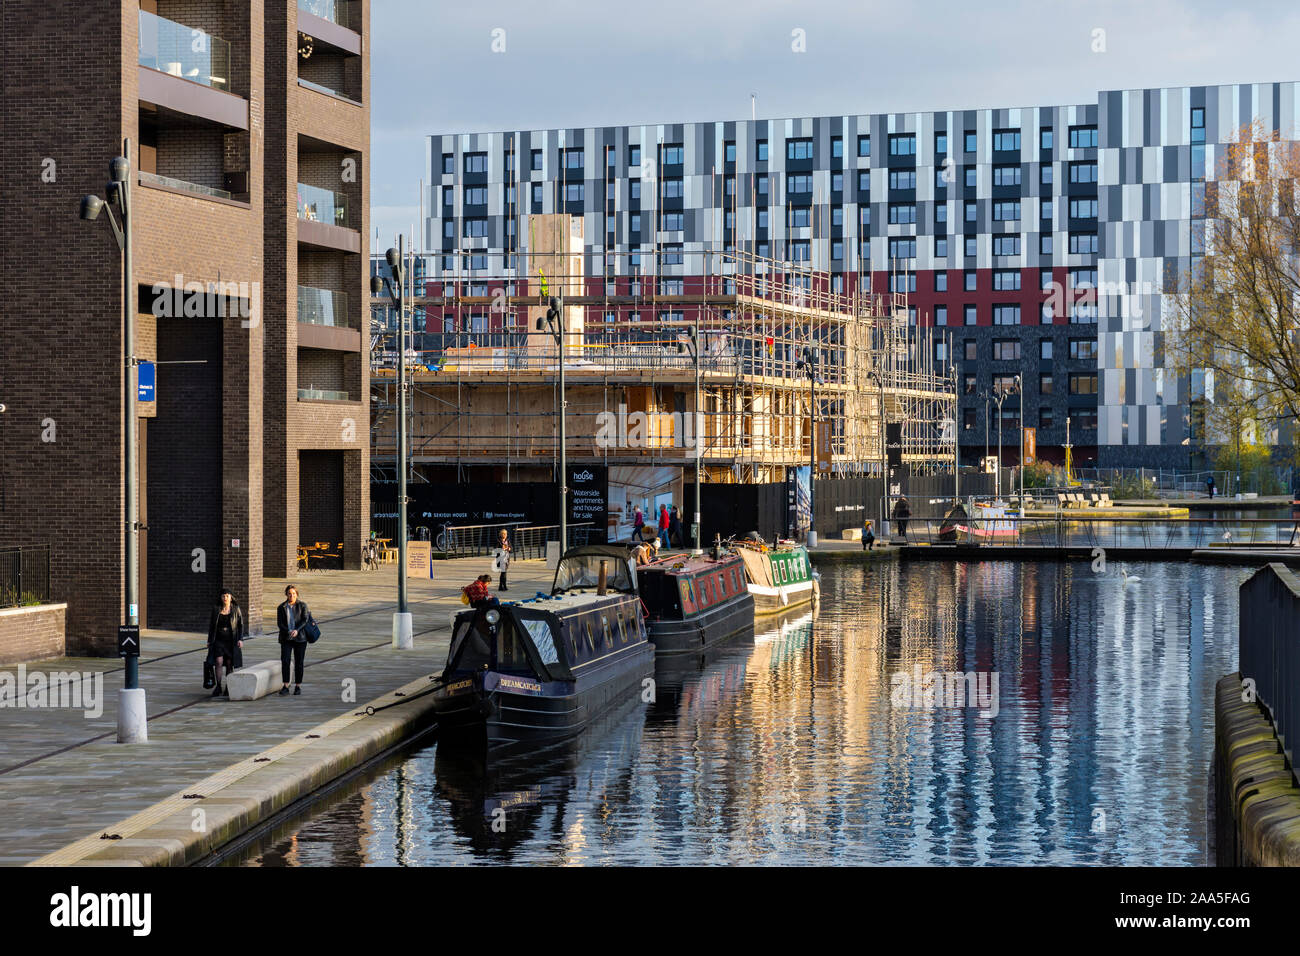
(894, 443)
(588, 498)
(419, 559)
(1031, 445)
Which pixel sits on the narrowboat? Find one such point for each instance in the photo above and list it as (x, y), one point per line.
(541, 670)
(780, 578)
(693, 602)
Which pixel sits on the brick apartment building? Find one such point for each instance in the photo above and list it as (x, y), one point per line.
(249, 126)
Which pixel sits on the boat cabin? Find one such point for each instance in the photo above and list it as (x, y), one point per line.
(678, 588)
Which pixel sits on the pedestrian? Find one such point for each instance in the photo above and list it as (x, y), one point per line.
(501, 560)
(675, 527)
(646, 552)
(290, 617)
(638, 521)
(868, 536)
(225, 640)
(901, 513)
(478, 593)
(1209, 485)
(663, 526)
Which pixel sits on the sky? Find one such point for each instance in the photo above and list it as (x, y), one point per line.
(439, 67)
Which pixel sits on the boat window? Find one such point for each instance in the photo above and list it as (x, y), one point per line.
(609, 635)
(705, 597)
(735, 577)
(591, 637)
(583, 571)
(540, 632)
(512, 655)
(722, 584)
(622, 628)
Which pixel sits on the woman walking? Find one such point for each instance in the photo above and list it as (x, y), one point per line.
(501, 561)
(290, 617)
(225, 640)
(638, 521)
(663, 526)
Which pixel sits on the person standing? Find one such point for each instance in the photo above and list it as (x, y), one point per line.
(901, 513)
(290, 617)
(675, 527)
(501, 560)
(225, 640)
(663, 526)
(1209, 485)
(638, 521)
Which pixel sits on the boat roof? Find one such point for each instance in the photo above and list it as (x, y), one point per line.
(601, 550)
(687, 563)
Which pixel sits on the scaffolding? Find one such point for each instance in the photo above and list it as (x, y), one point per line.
(485, 385)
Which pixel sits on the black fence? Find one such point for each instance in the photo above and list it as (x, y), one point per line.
(24, 576)
(1268, 647)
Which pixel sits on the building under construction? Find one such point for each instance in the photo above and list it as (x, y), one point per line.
(738, 367)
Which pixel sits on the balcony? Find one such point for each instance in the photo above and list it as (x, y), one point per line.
(178, 50)
(181, 185)
(323, 307)
(321, 395)
(329, 48)
(339, 12)
(324, 219)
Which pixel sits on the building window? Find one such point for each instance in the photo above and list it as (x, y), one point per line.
(864, 145)
(799, 149)
(941, 247)
(1004, 383)
(449, 196)
(902, 179)
(1045, 139)
(971, 278)
(837, 215)
(673, 154)
(972, 208)
(864, 180)
(1006, 315)
(1006, 245)
(1006, 175)
(940, 281)
(1083, 243)
(970, 315)
(634, 156)
(972, 140)
(573, 158)
(1045, 279)
(1006, 140)
(902, 248)
(1045, 383)
(800, 250)
(1083, 172)
(760, 184)
(1083, 383)
(902, 213)
(672, 254)
(1006, 350)
(940, 315)
(1045, 174)
(798, 216)
(475, 195)
(634, 222)
(729, 152)
(1045, 349)
(941, 212)
(968, 419)
(1045, 245)
(761, 151)
(971, 177)
(1045, 416)
(972, 247)
(476, 162)
(448, 163)
(1006, 211)
(449, 229)
(634, 189)
(1083, 313)
(1083, 137)
(940, 350)
(1083, 350)
(476, 228)
(1083, 278)
(968, 383)
(673, 188)
(941, 143)
(837, 147)
(1083, 209)
(940, 177)
(798, 183)
(575, 192)
(903, 282)
(902, 144)
(970, 347)
(672, 222)
(837, 249)
(1083, 417)
(537, 194)
(1045, 210)
(762, 219)
(837, 182)
(1006, 280)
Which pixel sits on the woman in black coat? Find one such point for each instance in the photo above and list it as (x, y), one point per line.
(226, 634)
(290, 616)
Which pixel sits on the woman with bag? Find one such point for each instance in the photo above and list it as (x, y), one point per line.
(294, 621)
(225, 640)
(501, 559)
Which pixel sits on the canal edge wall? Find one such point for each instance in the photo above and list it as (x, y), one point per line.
(193, 823)
(1256, 799)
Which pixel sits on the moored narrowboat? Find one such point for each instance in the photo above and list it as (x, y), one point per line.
(543, 669)
(695, 601)
(779, 578)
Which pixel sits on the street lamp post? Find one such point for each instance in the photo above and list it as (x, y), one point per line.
(132, 726)
(1020, 390)
(555, 320)
(403, 634)
(809, 364)
(997, 476)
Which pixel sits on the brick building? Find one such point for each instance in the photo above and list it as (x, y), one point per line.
(249, 130)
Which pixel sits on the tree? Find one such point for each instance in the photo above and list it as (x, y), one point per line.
(1237, 314)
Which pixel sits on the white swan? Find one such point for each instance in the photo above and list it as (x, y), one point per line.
(1128, 578)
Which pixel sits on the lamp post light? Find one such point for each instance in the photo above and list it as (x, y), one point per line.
(809, 364)
(555, 321)
(694, 338)
(1001, 396)
(132, 724)
(403, 635)
(1020, 390)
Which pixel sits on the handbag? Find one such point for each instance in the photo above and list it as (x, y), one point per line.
(209, 675)
(311, 630)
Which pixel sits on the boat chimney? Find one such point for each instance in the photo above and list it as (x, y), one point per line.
(600, 581)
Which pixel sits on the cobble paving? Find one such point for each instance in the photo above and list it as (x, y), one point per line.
(59, 783)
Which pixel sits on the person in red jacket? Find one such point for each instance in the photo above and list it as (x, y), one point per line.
(478, 592)
(664, 521)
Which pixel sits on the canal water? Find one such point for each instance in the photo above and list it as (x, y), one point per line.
(825, 742)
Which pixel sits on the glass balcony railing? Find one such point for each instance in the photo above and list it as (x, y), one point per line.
(322, 307)
(322, 205)
(335, 11)
(181, 51)
(321, 395)
(153, 179)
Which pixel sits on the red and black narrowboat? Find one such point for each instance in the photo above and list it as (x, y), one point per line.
(695, 601)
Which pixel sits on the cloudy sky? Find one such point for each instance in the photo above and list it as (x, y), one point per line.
(580, 63)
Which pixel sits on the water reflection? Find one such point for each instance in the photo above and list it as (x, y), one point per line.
(794, 746)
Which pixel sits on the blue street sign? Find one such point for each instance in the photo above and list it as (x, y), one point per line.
(147, 371)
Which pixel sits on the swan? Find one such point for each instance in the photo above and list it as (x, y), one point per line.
(1128, 578)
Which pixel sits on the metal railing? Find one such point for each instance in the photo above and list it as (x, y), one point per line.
(475, 540)
(184, 185)
(1079, 529)
(322, 395)
(322, 205)
(1268, 647)
(183, 51)
(335, 11)
(323, 307)
(24, 576)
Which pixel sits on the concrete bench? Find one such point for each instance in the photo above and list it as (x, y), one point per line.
(257, 680)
